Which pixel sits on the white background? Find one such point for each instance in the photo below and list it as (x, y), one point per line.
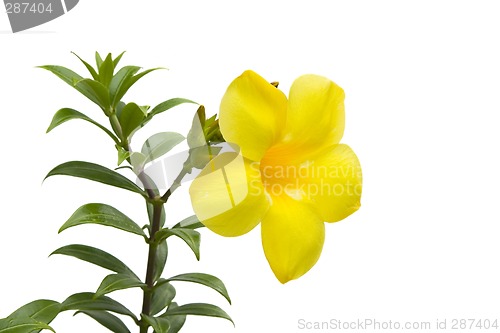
(422, 83)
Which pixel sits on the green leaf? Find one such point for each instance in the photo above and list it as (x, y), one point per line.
(128, 82)
(65, 74)
(65, 114)
(160, 260)
(198, 309)
(205, 279)
(159, 324)
(91, 69)
(115, 282)
(98, 59)
(91, 89)
(176, 322)
(191, 237)
(106, 70)
(130, 119)
(95, 256)
(122, 154)
(42, 310)
(168, 104)
(97, 213)
(96, 173)
(191, 222)
(95, 91)
(22, 325)
(86, 301)
(118, 81)
(163, 294)
(117, 59)
(160, 144)
(106, 319)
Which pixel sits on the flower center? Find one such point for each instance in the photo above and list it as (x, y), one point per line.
(281, 172)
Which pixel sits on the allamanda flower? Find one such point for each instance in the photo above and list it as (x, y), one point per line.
(291, 174)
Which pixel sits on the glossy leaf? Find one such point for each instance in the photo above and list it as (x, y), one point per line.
(95, 256)
(65, 74)
(115, 282)
(117, 59)
(205, 279)
(106, 319)
(22, 325)
(198, 309)
(161, 260)
(97, 213)
(128, 82)
(163, 294)
(191, 222)
(122, 154)
(65, 114)
(95, 91)
(191, 237)
(86, 301)
(96, 173)
(130, 119)
(159, 324)
(160, 144)
(167, 105)
(98, 59)
(91, 69)
(106, 70)
(42, 310)
(176, 321)
(119, 81)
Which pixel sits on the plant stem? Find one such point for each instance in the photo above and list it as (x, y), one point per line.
(151, 267)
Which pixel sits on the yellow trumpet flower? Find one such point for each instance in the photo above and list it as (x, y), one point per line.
(291, 173)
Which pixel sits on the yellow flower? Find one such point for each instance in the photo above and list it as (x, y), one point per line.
(291, 174)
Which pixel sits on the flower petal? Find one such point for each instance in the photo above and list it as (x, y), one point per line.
(252, 113)
(292, 236)
(315, 114)
(228, 196)
(333, 182)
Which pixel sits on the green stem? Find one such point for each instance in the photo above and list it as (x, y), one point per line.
(151, 267)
